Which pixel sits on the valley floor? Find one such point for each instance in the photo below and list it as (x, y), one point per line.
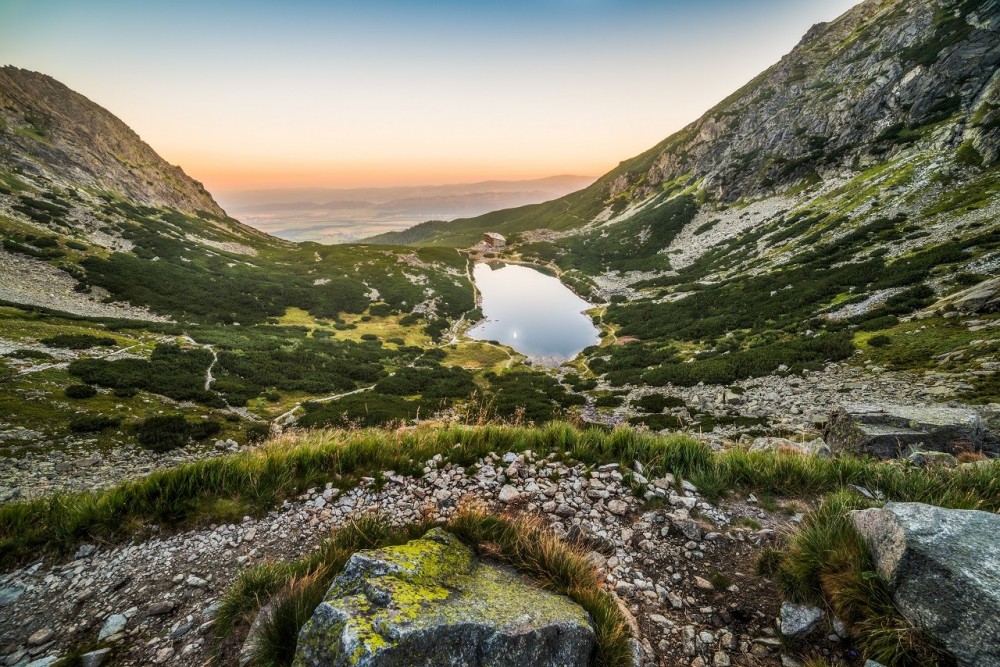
(791, 404)
(684, 567)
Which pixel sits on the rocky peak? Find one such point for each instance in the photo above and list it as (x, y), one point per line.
(51, 132)
(887, 76)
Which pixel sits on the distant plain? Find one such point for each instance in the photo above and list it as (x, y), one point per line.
(345, 215)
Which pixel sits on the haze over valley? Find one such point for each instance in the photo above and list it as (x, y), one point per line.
(342, 215)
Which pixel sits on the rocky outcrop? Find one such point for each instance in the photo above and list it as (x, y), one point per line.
(48, 130)
(943, 569)
(879, 78)
(984, 298)
(432, 602)
(890, 431)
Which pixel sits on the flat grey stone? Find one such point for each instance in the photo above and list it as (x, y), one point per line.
(890, 431)
(112, 626)
(95, 658)
(10, 595)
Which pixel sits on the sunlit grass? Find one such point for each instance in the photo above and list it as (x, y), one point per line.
(260, 480)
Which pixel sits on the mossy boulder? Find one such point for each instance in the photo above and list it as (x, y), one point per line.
(433, 602)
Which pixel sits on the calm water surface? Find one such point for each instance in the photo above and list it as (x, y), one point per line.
(533, 313)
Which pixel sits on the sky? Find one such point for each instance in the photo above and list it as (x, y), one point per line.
(247, 94)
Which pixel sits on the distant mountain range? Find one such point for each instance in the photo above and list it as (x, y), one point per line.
(338, 215)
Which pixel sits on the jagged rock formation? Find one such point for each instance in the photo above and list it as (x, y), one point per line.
(51, 132)
(943, 568)
(432, 602)
(857, 89)
(886, 77)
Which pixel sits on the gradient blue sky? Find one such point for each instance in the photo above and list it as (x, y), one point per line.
(269, 93)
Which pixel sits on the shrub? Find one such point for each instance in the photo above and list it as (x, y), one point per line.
(797, 355)
(608, 400)
(80, 391)
(203, 430)
(93, 423)
(880, 340)
(171, 371)
(257, 432)
(29, 354)
(163, 433)
(968, 155)
(78, 341)
(656, 403)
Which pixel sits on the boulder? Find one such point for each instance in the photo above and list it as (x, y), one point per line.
(980, 299)
(888, 431)
(943, 569)
(432, 602)
(799, 620)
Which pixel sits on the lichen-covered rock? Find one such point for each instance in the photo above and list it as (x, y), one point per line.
(943, 569)
(889, 431)
(432, 602)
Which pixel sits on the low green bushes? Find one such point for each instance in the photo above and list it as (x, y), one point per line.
(796, 355)
(78, 341)
(162, 433)
(656, 403)
(93, 423)
(172, 371)
(80, 391)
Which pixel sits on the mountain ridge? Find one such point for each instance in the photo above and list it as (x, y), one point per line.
(877, 80)
(49, 128)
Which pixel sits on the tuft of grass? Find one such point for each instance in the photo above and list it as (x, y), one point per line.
(254, 482)
(719, 581)
(286, 594)
(283, 617)
(828, 563)
(753, 524)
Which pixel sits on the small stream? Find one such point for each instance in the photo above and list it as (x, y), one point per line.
(533, 313)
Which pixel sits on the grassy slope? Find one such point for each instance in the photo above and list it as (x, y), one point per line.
(227, 488)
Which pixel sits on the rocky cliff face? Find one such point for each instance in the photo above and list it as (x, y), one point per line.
(48, 131)
(886, 75)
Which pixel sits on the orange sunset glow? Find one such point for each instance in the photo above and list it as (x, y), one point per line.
(347, 94)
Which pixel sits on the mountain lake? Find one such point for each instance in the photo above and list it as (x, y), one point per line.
(532, 312)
